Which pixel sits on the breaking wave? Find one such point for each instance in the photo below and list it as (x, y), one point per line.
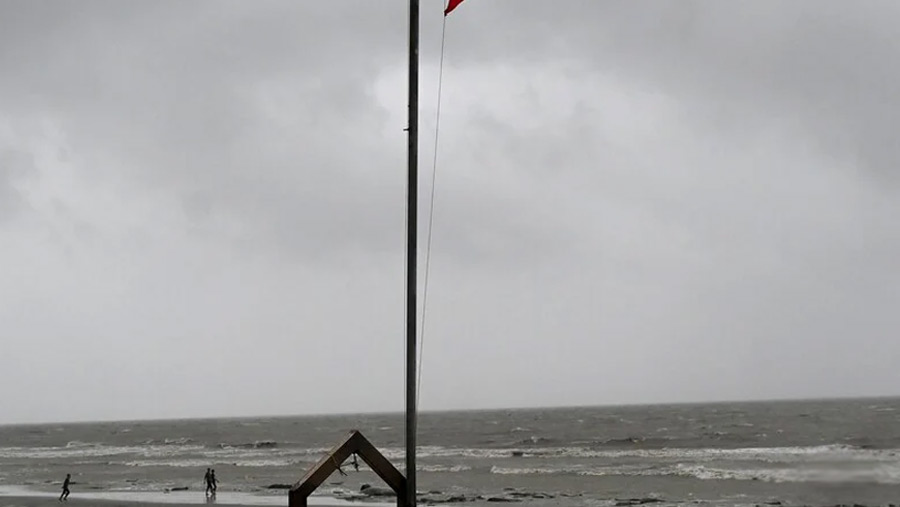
(837, 452)
(880, 474)
(825, 463)
(835, 474)
(200, 463)
(185, 448)
(444, 468)
(81, 450)
(263, 444)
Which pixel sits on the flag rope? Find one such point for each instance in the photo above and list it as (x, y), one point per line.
(437, 132)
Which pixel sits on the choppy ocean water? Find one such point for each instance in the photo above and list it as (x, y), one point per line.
(798, 453)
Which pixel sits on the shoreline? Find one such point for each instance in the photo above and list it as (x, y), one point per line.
(22, 496)
(450, 410)
(38, 501)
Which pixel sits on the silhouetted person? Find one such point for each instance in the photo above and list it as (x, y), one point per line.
(208, 479)
(213, 481)
(354, 463)
(65, 492)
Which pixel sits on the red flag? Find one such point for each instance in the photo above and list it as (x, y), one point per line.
(452, 4)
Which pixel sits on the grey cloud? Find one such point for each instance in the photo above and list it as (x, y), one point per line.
(14, 165)
(201, 131)
(641, 202)
(826, 66)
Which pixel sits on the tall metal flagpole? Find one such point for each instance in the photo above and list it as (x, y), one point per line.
(411, 238)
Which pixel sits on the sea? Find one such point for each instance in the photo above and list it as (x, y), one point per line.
(730, 454)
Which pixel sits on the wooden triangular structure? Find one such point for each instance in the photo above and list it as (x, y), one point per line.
(354, 443)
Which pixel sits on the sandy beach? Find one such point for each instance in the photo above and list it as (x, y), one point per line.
(36, 501)
(22, 497)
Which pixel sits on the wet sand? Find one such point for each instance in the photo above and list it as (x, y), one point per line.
(37, 501)
(11, 496)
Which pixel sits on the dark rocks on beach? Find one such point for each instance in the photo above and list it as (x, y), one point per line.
(370, 490)
(264, 444)
(278, 486)
(636, 501)
(517, 454)
(436, 497)
(511, 495)
(526, 494)
(625, 441)
(463, 498)
(180, 488)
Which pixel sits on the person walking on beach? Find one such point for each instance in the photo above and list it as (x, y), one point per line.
(213, 482)
(64, 497)
(207, 478)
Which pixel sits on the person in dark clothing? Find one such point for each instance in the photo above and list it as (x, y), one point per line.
(213, 481)
(65, 492)
(207, 478)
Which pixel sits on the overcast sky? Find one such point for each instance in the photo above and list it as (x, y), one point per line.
(202, 204)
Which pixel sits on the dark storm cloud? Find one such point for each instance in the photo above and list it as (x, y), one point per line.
(634, 202)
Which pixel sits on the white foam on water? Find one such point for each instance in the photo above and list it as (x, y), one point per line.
(178, 449)
(826, 463)
(834, 473)
(81, 449)
(177, 441)
(626, 470)
(200, 463)
(835, 452)
(443, 468)
(769, 454)
(398, 453)
(174, 449)
(526, 471)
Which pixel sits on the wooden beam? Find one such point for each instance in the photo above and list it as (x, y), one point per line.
(355, 442)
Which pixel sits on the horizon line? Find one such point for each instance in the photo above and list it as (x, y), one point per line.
(448, 410)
